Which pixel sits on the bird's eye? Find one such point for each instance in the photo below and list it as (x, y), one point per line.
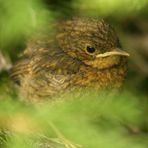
(90, 49)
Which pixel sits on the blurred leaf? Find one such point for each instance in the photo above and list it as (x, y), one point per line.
(20, 18)
(114, 8)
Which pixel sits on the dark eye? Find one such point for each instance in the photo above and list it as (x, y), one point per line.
(90, 49)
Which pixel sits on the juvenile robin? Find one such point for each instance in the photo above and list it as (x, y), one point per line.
(83, 53)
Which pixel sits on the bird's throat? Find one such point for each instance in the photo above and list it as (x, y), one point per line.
(105, 63)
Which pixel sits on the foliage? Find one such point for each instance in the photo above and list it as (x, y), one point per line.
(114, 8)
(105, 121)
(18, 21)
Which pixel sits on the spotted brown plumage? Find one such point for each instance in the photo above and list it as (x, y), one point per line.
(84, 52)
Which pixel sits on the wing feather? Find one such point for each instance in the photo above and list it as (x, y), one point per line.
(19, 69)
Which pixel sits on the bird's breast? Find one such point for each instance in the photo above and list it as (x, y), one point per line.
(101, 79)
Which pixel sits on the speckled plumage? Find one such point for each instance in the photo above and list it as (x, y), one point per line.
(52, 66)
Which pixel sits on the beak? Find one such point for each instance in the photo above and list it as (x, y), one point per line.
(116, 51)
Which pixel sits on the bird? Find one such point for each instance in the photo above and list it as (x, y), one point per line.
(81, 53)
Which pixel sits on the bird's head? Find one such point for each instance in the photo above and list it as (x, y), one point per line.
(92, 41)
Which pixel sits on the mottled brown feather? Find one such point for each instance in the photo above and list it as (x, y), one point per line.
(52, 65)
